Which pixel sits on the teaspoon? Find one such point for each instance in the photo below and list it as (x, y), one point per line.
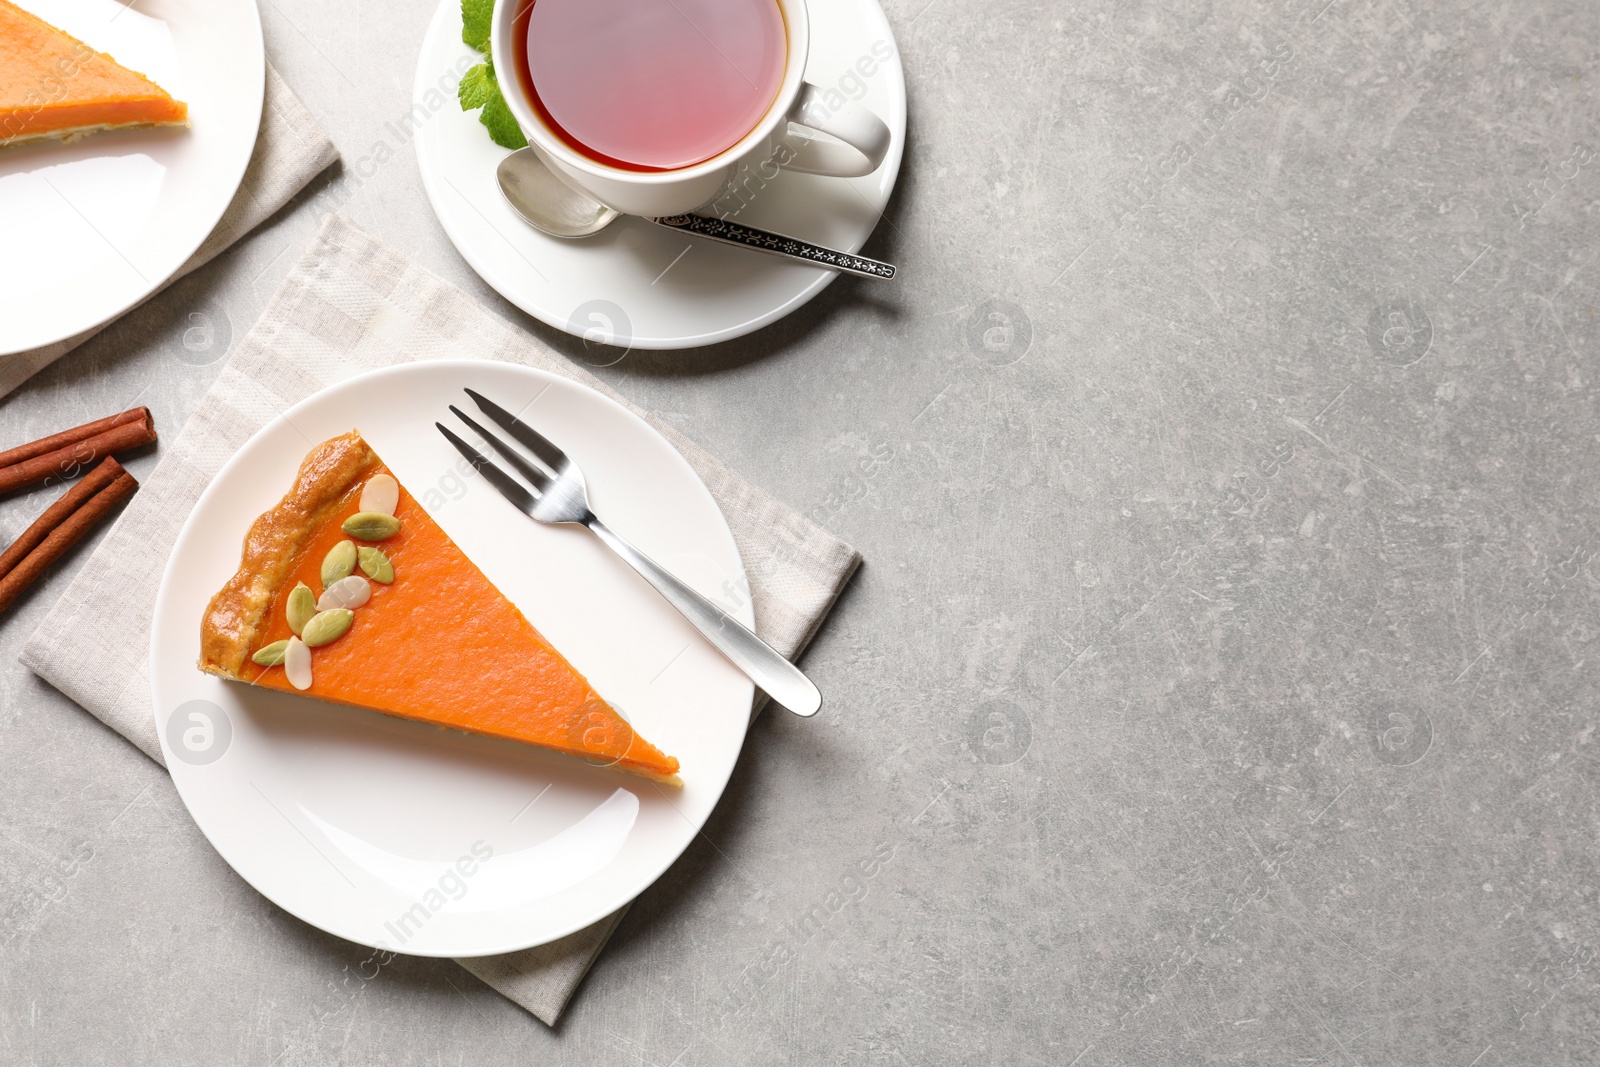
(551, 206)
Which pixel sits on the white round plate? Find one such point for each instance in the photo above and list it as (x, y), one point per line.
(377, 829)
(93, 227)
(635, 284)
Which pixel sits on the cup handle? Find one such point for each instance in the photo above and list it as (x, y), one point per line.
(864, 135)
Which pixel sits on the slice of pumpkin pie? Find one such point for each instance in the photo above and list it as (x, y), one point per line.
(349, 592)
(52, 85)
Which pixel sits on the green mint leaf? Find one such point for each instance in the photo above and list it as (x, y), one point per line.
(475, 18)
(478, 87)
(503, 128)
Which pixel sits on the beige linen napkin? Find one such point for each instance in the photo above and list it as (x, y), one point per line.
(353, 305)
(291, 149)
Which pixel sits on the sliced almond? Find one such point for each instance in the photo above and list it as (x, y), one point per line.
(380, 494)
(297, 664)
(350, 592)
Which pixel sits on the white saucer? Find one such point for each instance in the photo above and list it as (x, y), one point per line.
(353, 820)
(636, 284)
(94, 227)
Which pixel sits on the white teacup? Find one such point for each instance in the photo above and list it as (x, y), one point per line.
(860, 138)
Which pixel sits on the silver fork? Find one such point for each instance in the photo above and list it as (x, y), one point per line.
(559, 496)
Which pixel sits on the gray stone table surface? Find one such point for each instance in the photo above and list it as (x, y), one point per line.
(1220, 685)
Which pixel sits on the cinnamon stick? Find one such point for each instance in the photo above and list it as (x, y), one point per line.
(71, 437)
(108, 471)
(131, 429)
(64, 536)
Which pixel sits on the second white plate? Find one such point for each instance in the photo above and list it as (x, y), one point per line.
(93, 227)
(432, 842)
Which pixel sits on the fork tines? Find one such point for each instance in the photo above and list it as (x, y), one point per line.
(539, 478)
(509, 487)
(541, 446)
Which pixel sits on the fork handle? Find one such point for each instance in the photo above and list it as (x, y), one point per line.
(781, 680)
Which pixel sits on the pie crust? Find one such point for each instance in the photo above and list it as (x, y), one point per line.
(237, 614)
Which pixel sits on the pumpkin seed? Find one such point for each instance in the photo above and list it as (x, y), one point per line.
(302, 605)
(371, 525)
(375, 565)
(328, 626)
(339, 563)
(271, 655)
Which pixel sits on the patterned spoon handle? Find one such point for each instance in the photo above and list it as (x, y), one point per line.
(732, 233)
